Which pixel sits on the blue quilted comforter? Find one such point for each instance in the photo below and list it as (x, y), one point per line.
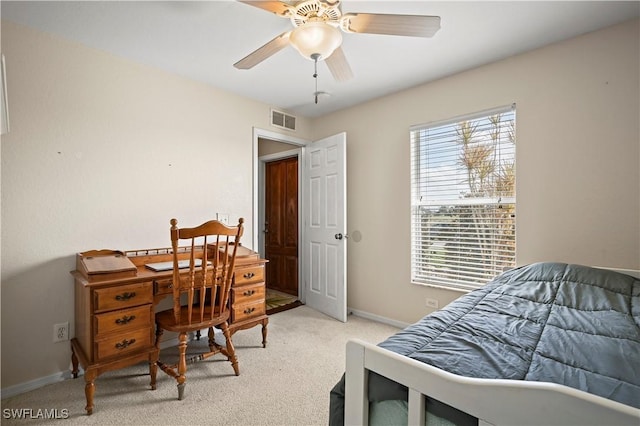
(549, 322)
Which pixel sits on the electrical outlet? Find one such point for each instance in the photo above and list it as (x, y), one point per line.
(431, 303)
(61, 332)
(223, 217)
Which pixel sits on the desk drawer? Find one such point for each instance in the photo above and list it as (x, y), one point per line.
(123, 343)
(163, 287)
(248, 293)
(247, 311)
(249, 275)
(123, 296)
(123, 321)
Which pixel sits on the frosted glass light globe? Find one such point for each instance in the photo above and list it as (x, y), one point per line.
(316, 37)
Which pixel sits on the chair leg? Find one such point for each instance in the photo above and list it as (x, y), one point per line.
(153, 369)
(182, 364)
(212, 340)
(159, 332)
(231, 352)
(153, 360)
(181, 391)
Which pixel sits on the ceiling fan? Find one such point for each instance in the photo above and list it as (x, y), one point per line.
(317, 36)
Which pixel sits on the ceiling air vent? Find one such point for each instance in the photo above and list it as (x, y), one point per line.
(283, 120)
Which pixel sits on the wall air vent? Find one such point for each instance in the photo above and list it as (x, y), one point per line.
(283, 120)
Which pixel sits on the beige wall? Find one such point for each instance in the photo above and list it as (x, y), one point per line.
(102, 153)
(578, 162)
(267, 147)
(100, 148)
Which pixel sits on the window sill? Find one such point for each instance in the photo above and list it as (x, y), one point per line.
(442, 287)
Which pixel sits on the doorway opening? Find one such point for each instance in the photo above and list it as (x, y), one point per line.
(281, 224)
(277, 231)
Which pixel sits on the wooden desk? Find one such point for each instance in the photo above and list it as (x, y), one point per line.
(114, 308)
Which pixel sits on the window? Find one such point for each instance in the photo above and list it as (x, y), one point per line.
(463, 199)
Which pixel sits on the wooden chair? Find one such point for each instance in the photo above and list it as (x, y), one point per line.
(206, 284)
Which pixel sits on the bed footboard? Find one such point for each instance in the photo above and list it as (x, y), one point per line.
(491, 401)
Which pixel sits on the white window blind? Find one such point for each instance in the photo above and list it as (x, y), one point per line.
(463, 199)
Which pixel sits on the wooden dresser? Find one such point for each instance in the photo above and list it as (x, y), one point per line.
(115, 297)
(248, 293)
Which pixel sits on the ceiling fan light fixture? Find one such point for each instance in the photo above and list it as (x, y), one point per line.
(316, 37)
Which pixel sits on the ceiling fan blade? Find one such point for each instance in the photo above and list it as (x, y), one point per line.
(402, 25)
(277, 7)
(339, 66)
(269, 49)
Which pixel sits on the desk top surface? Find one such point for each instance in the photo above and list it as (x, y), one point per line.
(112, 270)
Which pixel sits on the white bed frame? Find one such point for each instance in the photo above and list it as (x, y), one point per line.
(491, 401)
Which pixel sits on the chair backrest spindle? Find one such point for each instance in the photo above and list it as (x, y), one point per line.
(208, 285)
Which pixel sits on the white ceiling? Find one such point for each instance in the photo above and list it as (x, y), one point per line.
(202, 40)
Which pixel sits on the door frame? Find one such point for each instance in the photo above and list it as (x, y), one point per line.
(259, 191)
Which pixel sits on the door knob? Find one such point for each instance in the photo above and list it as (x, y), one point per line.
(340, 236)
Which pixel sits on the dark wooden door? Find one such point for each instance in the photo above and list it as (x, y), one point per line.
(281, 225)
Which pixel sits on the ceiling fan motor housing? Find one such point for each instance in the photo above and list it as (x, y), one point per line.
(325, 11)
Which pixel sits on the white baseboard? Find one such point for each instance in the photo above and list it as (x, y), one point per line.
(377, 318)
(35, 384)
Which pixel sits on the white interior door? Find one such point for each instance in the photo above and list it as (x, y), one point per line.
(325, 226)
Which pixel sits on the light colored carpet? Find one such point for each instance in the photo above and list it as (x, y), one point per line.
(286, 383)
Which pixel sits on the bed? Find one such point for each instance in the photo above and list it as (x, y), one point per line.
(546, 343)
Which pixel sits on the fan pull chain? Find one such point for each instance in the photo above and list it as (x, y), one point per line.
(315, 57)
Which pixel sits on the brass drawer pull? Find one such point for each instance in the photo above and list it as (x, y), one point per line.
(125, 296)
(125, 343)
(249, 275)
(249, 293)
(249, 310)
(125, 319)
